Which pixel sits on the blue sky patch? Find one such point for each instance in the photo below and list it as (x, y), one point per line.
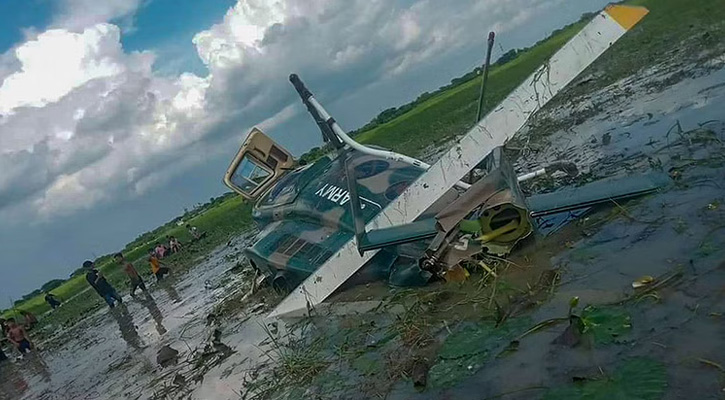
(168, 26)
(16, 15)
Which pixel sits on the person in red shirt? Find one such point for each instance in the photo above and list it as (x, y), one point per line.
(135, 278)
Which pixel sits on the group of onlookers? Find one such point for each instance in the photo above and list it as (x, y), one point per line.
(162, 250)
(98, 282)
(104, 289)
(17, 334)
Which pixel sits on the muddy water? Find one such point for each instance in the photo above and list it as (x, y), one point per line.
(679, 229)
(112, 354)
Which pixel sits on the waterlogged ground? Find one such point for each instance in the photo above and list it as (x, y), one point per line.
(519, 335)
(513, 335)
(113, 355)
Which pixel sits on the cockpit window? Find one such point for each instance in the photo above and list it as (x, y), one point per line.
(250, 174)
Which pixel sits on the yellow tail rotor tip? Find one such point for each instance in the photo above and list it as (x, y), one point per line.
(626, 16)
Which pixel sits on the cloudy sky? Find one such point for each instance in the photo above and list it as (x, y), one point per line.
(116, 114)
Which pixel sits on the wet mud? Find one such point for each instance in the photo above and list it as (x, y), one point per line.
(113, 354)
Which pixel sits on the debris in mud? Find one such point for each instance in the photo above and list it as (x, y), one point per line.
(657, 283)
(257, 308)
(606, 138)
(642, 282)
(193, 368)
(713, 364)
(179, 380)
(419, 374)
(222, 349)
(167, 356)
(213, 354)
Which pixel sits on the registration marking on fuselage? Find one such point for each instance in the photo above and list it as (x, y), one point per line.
(340, 196)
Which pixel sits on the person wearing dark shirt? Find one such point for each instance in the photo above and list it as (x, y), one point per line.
(52, 301)
(98, 282)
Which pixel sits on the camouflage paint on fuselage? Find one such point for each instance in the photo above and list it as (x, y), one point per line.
(305, 217)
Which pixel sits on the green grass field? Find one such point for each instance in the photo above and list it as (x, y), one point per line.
(453, 112)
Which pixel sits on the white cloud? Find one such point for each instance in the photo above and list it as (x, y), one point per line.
(192, 91)
(57, 62)
(79, 14)
(65, 195)
(242, 30)
(77, 125)
(85, 122)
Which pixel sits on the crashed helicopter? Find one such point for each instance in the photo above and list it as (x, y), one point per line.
(365, 213)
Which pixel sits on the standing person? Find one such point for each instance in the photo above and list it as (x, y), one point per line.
(52, 300)
(160, 251)
(135, 278)
(2, 339)
(158, 268)
(174, 244)
(98, 282)
(4, 327)
(19, 337)
(193, 231)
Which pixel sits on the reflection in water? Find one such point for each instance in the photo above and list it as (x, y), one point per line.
(168, 287)
(128, 329)
(12, 383)
(150, 304)
(36, 364)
